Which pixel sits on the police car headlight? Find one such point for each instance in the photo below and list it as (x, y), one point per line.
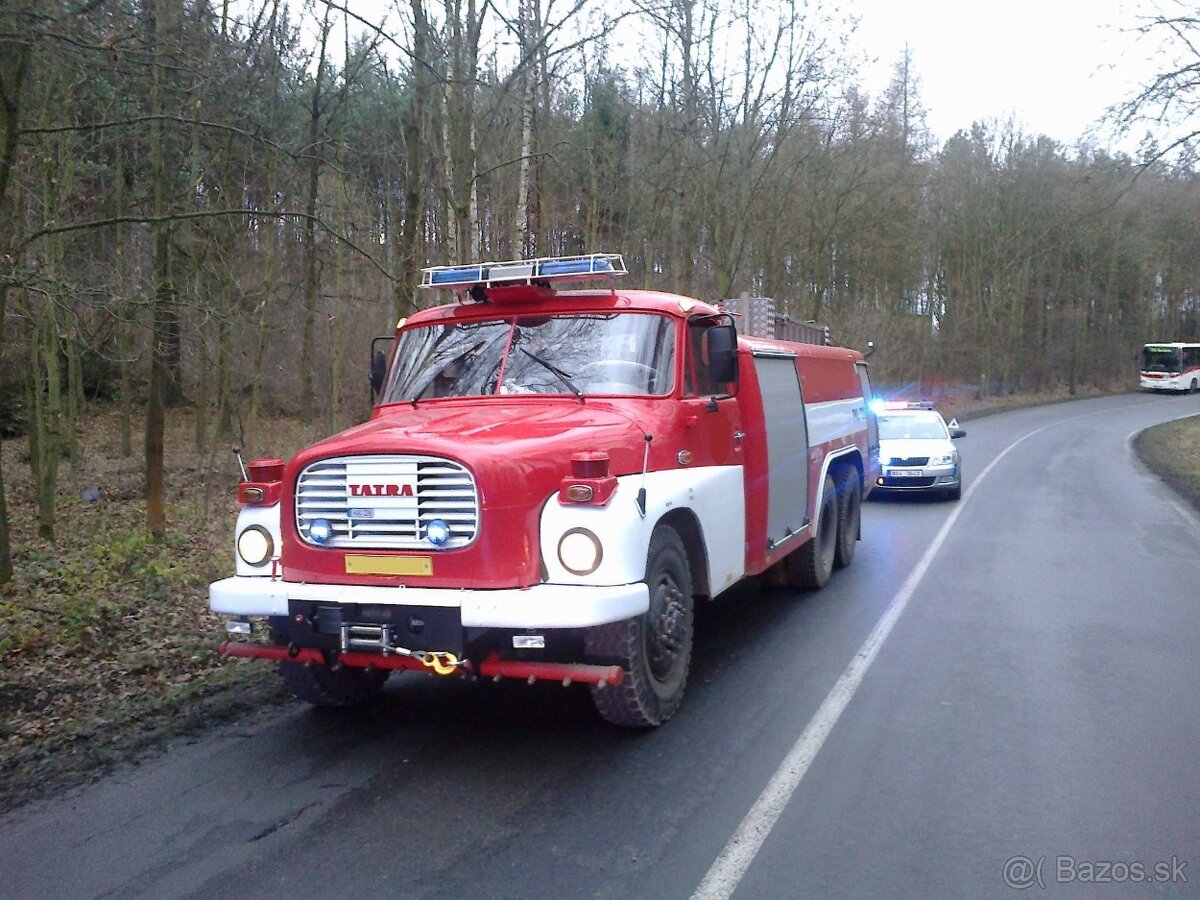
(943, 460)
(255, 545)
(580, 551)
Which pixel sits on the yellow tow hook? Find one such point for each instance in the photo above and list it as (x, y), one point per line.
(442, 662)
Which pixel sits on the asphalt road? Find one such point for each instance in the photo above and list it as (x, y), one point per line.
(1034, 700)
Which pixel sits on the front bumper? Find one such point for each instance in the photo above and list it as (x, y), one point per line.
(1175, 383)
(922, 478)
(541, 606)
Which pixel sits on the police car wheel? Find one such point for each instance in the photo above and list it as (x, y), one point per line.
(654, 649)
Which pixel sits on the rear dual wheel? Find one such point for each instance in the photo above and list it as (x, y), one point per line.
(809, 567)
(832, 546)
(849, 500)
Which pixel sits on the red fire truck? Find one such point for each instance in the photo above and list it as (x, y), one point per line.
(549, 482)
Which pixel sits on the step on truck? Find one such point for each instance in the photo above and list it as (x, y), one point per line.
(549, 482)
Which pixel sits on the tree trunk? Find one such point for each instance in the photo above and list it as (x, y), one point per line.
(123, 311)
(409, 252)
(45, 371)
(451, 93)
(520, 238)
(201, 282)
(273, 225)
(335, 318)
(14, 63)
(227, 293)
(311, 278)
(165, 323)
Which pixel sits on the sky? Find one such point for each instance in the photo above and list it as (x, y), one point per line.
(1052, 65)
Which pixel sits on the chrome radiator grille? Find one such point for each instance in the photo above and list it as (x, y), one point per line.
(386, 502)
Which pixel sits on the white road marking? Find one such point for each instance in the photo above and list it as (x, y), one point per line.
(726, 872)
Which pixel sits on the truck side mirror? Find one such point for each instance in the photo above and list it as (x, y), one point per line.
(378, 367)
(722, 353)
(378, 364)
(870, 349)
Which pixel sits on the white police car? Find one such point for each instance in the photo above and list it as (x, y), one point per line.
(915, 449)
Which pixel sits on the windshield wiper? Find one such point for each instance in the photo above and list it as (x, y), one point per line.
(550, 367)
(421, 393)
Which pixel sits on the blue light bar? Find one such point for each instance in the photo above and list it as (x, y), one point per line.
(448, 275)
(879, 405)
(593, 267)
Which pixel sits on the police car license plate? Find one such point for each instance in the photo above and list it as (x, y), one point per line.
(905, 473)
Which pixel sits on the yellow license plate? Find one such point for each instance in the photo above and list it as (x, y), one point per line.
(389, 565)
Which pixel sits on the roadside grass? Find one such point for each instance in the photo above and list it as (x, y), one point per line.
(1172, 452)
(107, 647)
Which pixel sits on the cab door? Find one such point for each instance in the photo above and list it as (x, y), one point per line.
(871, 463)
(712, 420)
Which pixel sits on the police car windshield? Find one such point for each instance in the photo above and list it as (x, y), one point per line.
(912, 426)
(609, 353)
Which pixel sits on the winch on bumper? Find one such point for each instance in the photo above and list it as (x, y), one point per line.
(499, 633)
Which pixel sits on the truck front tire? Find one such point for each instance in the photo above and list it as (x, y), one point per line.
(333, 688)
(654, 649)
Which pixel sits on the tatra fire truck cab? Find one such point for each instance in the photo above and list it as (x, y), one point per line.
(548, 484)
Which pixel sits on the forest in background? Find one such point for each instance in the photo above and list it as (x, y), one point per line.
(219, 205)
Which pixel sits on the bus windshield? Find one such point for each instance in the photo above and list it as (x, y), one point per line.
(1161, 359)
(589, 353)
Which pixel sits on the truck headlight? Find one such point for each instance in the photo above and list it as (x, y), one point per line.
(255, 545)
(580, 552)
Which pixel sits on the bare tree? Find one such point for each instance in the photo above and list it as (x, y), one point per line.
(460, 48)
(1169, 103)
(168, 16)
(14, 64)
(414, 129)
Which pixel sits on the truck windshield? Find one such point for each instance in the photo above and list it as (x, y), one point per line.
(605, 353)
(1161, 359)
